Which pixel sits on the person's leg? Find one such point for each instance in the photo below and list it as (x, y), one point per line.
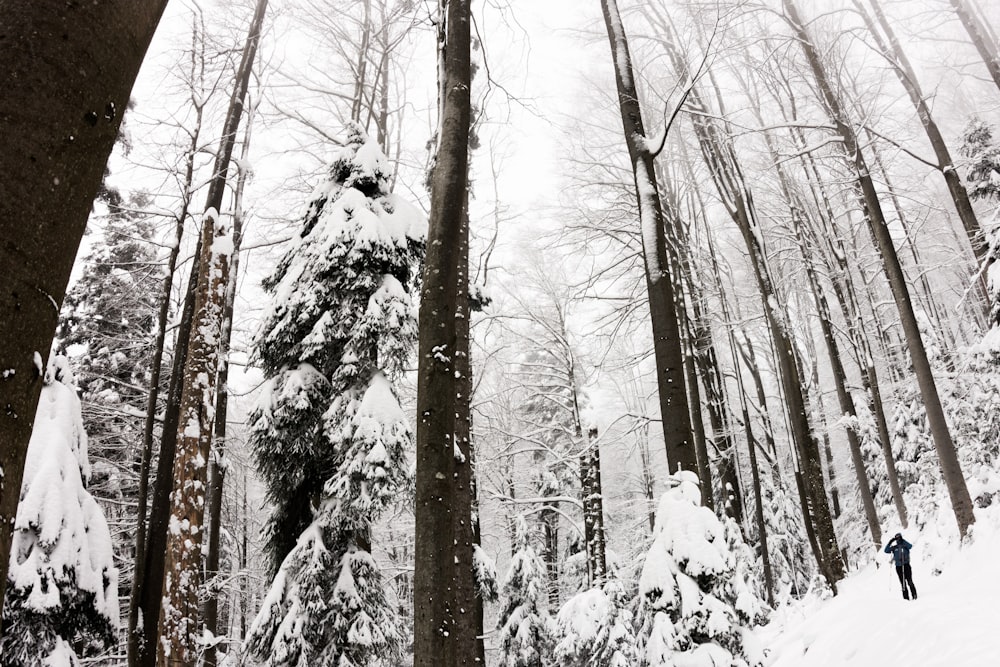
(908, 571)
(902, 581)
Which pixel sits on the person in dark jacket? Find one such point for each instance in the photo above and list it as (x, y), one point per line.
(900, 550)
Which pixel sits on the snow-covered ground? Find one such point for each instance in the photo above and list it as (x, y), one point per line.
(955, 622)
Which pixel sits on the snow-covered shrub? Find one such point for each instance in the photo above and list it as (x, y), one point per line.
(695, 609)
(62, 585)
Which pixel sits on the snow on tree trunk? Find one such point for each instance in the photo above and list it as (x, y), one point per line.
(697, 603)
(435, 608)
(674, 414)
(62, 581)
(179, 618)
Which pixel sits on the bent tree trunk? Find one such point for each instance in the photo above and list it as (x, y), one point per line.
(947, 456)
(435, 574)
(675, 418)
(65, 87)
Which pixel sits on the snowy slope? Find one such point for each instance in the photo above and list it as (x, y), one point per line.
(954, 623)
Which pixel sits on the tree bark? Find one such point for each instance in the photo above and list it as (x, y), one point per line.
(593, 510)
(674, 415)
(179, 629)
(468, 605)
(65, 88)
(435, 573)
(947, 455)
(145, 602)
(218, 466)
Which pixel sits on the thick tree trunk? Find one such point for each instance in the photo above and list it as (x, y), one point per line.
(465, 632)
(145, 604)
(674, 415)
(218, 466)
(179, 629)
(947, 455)
(65, 88)
(435, 612)
(593, 510)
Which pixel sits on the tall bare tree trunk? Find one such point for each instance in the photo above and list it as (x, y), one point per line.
(896, 56)
(844, 398)
(706, 361)
(674, 415)
(179, 628)
(145, 604)
(697, 423)
(947, 456)
(218, 465)
(435, 612)
(137, 638)
(979, 34)
(839, 272)
(65, 88)
(593, 510)
(464, 631)
(758, 501)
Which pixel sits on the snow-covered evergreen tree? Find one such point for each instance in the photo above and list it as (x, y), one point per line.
(62, 587)
(792, 562)
(982, 151)
(526, 629)
(696, 607)
(107, 329)
(596, 627)
(983, 160)
(329, 436)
